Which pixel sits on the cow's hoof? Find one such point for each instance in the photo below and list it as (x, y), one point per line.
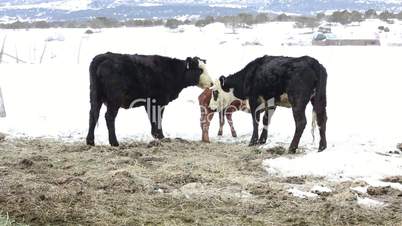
(262, 141)
(292, 150)
(114, 144)
(166, 140)
(220, 133)
(322, 147)
(205, 139)
(234, 135)
(154, 143)
(253, 143)
(90, 142)
(158, 135)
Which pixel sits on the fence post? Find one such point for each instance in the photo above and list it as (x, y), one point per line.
(2, 108)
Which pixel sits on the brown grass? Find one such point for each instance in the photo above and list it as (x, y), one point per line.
(175, 182)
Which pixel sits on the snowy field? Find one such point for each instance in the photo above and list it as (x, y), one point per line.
(49, 95)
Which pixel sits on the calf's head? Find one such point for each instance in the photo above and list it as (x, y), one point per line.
(197, 73)
(220, 99)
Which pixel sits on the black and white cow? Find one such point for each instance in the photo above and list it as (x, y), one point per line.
(302, 79)
(123, 80)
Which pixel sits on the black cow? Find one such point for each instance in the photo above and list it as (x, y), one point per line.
(303, 79)
(123, 80)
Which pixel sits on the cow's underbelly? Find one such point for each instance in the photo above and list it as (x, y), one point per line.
(283, 101)
(138, 101)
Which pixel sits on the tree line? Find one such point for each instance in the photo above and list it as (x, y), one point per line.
(239, 20)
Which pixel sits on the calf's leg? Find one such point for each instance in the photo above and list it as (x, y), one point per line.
(206, 117)
(110, 117)
(230, 121)
(93, 119)
(221, 122)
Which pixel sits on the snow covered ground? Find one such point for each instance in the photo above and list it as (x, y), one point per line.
(49, 96)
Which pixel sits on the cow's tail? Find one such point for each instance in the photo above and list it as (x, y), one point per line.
(95, 95)
(313, 124)
(319, 99)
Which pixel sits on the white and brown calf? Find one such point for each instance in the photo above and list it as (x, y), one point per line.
(225, 103)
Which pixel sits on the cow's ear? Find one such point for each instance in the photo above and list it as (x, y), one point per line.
(222, 80)
(188, 60)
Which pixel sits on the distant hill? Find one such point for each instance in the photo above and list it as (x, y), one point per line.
(125, 9)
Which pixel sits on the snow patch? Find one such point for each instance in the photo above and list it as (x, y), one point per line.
(338, 164)
(301, 194)
(370, 203)
(360, 189)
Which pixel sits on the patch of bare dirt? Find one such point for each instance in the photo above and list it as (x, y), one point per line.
(374, 191)
(2, 137)
(169, 182)
(399, 146)
(393, 179)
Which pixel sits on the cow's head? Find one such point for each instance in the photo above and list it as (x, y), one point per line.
(197, 73)
(220, 99)
(235, 85)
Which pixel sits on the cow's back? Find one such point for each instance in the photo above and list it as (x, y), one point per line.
(275, 74)
(125, 78)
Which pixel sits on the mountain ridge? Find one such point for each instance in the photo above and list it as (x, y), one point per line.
(125, 9)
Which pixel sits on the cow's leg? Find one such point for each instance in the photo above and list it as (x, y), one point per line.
(93, 119)
(221, 122)
(264, 133)
(255, 114)
(230, 121)
(269, 110)
(153, 117)
(299, 116)
(322, 125)
(159, 117)
(321, 114)
(110, 117)
(266, 120)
